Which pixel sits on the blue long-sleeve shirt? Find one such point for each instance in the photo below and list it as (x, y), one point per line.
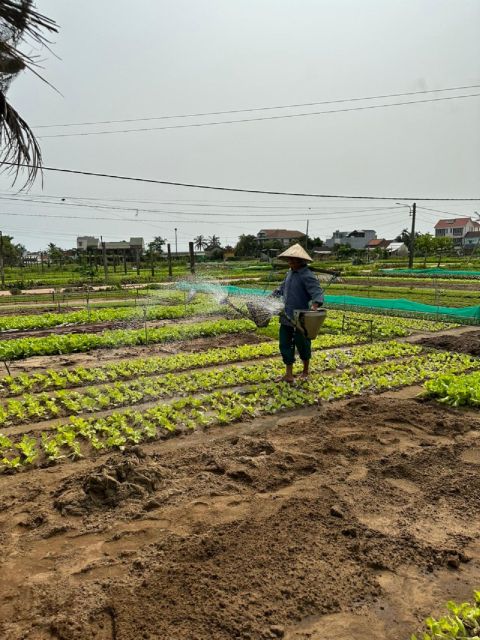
(297, 290)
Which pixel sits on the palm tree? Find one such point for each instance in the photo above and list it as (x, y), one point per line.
(19, 20)
(200, 242)
(213, 242)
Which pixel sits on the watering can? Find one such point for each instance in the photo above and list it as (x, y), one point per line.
(308, 321)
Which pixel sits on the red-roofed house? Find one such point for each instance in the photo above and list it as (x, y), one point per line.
(377, 243)
(456, 229)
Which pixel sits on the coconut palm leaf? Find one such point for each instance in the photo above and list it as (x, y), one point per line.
(19, 21)
(18, 145)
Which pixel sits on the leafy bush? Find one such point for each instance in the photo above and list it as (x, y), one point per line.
(462, 622)
(455, 390)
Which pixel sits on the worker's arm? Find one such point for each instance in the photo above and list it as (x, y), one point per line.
(313, 288)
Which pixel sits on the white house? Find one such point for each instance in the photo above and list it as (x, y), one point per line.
(357, 239)
(456, 229)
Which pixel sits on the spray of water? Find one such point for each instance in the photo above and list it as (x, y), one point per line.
(256, 305)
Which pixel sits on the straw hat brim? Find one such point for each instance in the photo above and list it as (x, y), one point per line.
(295, 251)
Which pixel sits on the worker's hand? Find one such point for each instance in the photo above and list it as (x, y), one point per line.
(315, 306)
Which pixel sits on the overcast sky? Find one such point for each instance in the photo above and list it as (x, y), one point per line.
(120, 60)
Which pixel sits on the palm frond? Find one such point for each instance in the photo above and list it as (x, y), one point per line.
(18, 146)
(19, 20)
(22, 19)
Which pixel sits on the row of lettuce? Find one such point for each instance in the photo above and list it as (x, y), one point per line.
(117, 314)
(256, 394)
(64, 378)
(147, 388)
(358, 323)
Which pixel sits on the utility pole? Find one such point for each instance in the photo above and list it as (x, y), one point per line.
(104, 254)
(192, 257)
(176, 250)
(306, 237)
(152, 261)
(169, 259)
(2, 270)
(412, 237)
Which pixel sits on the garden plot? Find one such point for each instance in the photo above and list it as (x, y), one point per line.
(226, 531)
(352, 521)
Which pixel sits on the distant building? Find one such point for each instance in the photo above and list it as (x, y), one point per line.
(357, 239)
(456, 229)
(34, 257)
(377, 243)
(323, 254)
(285, 236)
(87, 242)
(397, 249)
(471, 239)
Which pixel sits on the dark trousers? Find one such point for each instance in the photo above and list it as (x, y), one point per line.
(289, 338)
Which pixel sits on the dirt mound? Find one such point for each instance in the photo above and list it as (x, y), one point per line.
(465, 343)
(114, 482)
(354, 520)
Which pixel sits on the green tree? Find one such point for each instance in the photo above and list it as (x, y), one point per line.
(442, 246)
(343, 251)
(12, 253)
(213, 243)
(313, 243)
(56, 254)
(424, 246)
(273, 245)
(157, 245)
(247, 245)
(200, 243)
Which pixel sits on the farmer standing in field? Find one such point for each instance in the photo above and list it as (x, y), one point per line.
(299, 290)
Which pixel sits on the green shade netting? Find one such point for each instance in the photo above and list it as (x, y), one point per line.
(402, 304)
(363, 304)
(434, 271)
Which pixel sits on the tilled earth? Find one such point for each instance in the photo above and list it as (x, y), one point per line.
(466, 342)
(355, 520)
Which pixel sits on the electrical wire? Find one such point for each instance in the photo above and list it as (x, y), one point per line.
(259, 119)
(240, 190)
(448, 213)
(148, 220)
(303, 213)
(230, 111)
(189, 203)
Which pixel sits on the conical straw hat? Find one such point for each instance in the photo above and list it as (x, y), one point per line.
(295, 251)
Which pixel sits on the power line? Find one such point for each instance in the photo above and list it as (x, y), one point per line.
(239, 190)
(309, 212)
(259, 119)
(148, 220)
(253, 109)
(448, 213)
(189, 203)
(186, 202)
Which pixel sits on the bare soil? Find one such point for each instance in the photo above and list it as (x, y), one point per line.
(354, 520)
(468, 342)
